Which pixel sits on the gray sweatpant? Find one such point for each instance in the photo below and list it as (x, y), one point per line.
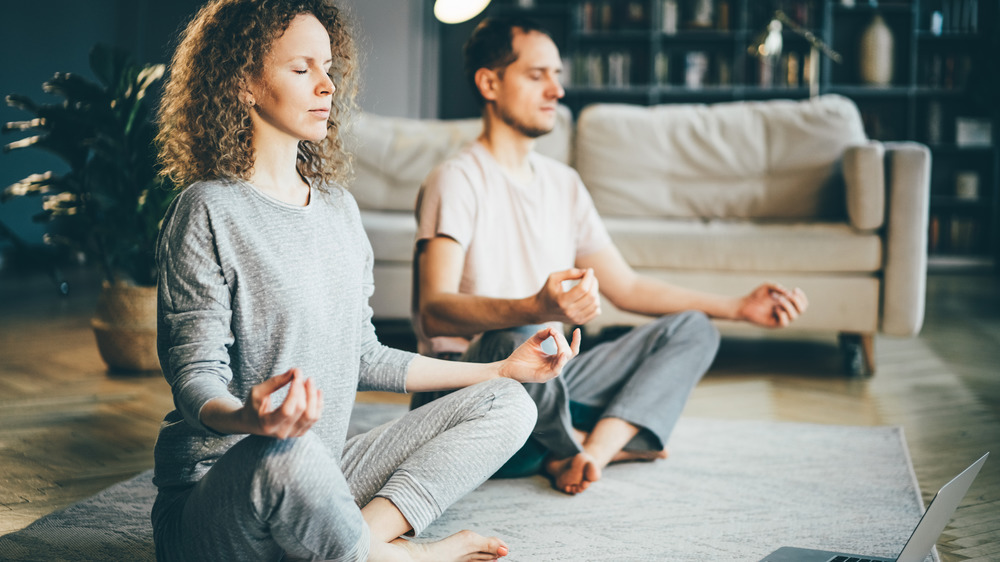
(267, 498)
(643, 377)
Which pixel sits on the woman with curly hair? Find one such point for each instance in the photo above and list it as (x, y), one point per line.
(265, 330)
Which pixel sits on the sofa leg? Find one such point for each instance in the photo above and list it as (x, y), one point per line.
(859, 354)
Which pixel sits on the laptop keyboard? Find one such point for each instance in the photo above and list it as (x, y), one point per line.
(851, 559)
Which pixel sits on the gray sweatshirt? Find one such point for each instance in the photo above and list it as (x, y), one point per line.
(250, 287)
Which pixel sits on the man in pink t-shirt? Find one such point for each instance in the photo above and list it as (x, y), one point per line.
(508, 239)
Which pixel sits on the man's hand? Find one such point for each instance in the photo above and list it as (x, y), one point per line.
(576, 306)
(301, 409)
(772, 306)
(530, 363)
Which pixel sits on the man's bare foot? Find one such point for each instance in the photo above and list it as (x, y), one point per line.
(628, 456)
(573, 475)
(463, 546)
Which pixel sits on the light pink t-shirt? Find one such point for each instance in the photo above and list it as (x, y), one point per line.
(514, 234)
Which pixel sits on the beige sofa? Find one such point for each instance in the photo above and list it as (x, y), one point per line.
(719, 197)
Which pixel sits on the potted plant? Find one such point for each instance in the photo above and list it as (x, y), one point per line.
(110, 203)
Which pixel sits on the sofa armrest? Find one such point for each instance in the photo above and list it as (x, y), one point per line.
(905, 273)
(864, 182)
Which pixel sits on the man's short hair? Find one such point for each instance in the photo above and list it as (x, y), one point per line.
(491, 46)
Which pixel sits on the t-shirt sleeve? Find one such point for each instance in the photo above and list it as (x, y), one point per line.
(591, 234)
(194, 310)
(446, 205)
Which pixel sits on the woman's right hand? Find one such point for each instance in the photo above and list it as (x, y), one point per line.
(301, 409)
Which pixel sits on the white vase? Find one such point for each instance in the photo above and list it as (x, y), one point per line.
(876, 53)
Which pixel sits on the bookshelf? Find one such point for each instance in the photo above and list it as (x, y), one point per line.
(651, 52)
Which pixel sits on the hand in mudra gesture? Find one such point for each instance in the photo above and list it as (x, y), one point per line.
(530, 363)
(773, 306)
(301, 408)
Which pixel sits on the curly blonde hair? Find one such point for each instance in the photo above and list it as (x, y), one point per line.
(205, 130)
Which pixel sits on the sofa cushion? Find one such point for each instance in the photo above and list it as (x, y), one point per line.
(718, 245)
(391, 234)
(837, 303)
(767, 160)
(393, 155)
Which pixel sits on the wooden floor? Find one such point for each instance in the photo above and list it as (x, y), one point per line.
(68, 429)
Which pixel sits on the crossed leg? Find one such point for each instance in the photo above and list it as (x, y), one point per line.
(639, 384)
(271, 499)
(409, 470)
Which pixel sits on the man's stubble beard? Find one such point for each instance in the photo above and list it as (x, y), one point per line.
(526, 130)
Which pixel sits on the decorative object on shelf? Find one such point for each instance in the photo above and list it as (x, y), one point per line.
(967, 185)
(619, 69)
(110, 203)
(661, 68)
(670, 11)
(768, 51)
(768, 46)
(973, 131)
(937, 22)
(696, 69)
(875, 53)
(457, 11)
(702, 14)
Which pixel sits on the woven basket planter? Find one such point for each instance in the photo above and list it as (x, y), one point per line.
(125, 326)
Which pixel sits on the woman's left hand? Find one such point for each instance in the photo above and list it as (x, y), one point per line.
(530, 363)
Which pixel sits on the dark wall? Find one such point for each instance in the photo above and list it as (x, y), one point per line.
(43, 37)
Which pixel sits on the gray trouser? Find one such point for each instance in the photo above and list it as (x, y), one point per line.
(643, 377)
(268, 498)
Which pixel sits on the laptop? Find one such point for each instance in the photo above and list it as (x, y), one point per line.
(924, 536)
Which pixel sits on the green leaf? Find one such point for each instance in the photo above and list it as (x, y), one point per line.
(109, 202)
(107, 62)
(18, 101)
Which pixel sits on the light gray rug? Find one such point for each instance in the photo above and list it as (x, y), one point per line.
(731, 490)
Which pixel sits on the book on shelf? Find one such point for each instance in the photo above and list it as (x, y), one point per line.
(933, 234)
(963, 238)
(959, 16)
(954, 234)
(596, 70)
(596, 16)
(792, 70)
(935, 122)
(722, 16)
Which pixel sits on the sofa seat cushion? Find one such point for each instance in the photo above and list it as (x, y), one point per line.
(760, 160)
(745, 246)
(391, 234)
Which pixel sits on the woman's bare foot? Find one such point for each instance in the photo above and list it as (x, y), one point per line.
(573, 475)
(628, 456)
(463, 546)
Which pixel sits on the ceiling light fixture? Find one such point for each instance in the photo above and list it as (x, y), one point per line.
(457, 11)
